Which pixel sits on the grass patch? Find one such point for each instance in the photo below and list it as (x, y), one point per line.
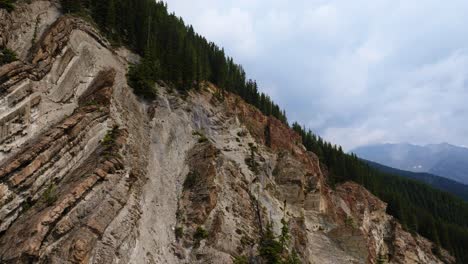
(247, 241)
(109, 138)
(91, 103)
(191, 179)
(349, 222)
(8, 5)
(36, 27)
(7, 56)
(250, 160)
(240, 260)
(26, 205)
(179, 232)
(202, 138)
(50, 195)
(200, 234)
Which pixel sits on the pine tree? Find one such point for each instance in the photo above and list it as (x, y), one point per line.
(71, 6)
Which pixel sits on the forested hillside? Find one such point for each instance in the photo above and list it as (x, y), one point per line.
(435, 181)
(172, 52)
(434, 214)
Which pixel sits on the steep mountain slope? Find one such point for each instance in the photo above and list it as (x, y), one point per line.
(91, 174)
(446, 160)
(435, 181)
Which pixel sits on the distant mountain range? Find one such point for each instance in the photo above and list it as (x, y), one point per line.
(444, 159)
(441, 183)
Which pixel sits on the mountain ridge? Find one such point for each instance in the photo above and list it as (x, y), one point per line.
(435, 181)
(446, 160)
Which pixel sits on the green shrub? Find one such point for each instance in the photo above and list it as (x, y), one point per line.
(349, 222)
(8, 5)
(91, 103)
(293, 258)
(246, 241)
(250, 161)
(275, 250)
(381, 259)
(109, 138)
(240, 260)
(179, 232)
(191, 179)
(200, 234)
(26, 205)
(49, 196)
(71, 6)
(7, 56)
(270, 249)
(202, 138)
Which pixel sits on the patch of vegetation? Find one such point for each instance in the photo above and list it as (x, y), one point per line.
(267, 135)
(7, 56)
(142, 78)
(250, 161)
(179, 214)
(50, 195)
(71, 6)
(36, 26)
(109, 143)
(240, 260)
(200, 233)
(109, 138)
(293, 258)
(274, 250)
(437, 251)
(381, 259)
(284, 237)
(91, 103)
(270, 248)
(191, 179)
(349, 222)
(202, 138)
(26, 205)
(246, 241)
(179, 232)
(219, 95)
(8, 5)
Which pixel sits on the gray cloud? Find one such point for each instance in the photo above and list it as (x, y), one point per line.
(356, 72)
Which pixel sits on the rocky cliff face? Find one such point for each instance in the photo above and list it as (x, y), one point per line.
(90, 174)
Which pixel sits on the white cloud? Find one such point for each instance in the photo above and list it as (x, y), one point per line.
(357, 72)
(234, 26)
(323, 20)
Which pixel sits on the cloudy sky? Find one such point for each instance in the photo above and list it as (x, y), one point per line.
(356, 72)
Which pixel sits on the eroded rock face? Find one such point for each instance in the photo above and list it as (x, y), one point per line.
(90, 174)
(69, 154)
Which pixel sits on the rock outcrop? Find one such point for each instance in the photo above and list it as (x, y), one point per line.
(91, 174)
